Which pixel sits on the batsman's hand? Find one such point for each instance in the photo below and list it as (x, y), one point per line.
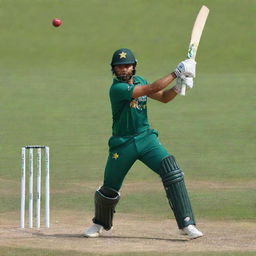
(186, 68)
(188, 81)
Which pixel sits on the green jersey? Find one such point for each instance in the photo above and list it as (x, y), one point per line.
(129, 115)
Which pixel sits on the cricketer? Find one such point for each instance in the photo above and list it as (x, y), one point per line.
(132, 139)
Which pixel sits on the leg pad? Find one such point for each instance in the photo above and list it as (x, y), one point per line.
(173, 181)
(106, 200)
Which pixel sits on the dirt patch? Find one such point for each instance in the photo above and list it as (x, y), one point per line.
(131, 234)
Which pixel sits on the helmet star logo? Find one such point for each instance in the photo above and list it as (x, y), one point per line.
(122, 55)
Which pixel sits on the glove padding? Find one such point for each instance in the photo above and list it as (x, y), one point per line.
(186, 68)
(188, 81)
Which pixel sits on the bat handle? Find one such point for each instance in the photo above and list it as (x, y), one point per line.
(183, 90)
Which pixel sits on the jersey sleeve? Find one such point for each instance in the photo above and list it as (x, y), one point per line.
(141, 80)
(121, 92)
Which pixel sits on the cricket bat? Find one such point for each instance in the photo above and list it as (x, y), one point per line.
(196, 36)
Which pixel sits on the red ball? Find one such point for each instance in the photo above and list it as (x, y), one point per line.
(56, 22)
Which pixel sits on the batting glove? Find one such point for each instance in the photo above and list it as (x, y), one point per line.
(186, 68)
(188, 81)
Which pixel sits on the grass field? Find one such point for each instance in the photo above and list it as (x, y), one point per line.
(54, 91)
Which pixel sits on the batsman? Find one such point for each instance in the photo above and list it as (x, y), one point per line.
(132, 139)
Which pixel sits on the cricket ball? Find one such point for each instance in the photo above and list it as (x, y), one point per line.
(56, 22)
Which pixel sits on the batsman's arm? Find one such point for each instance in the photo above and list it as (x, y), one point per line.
(164, 96)
(155, 87)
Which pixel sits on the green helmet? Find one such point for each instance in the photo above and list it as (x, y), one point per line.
(123, 56)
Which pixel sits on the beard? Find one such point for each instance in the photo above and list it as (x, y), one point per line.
(124, 77)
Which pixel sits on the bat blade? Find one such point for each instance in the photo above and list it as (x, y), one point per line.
(197, 31)
(196, 36)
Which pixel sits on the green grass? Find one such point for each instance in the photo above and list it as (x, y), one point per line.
(208, 203)
(54, 91)
(55, 84)
(214, 205)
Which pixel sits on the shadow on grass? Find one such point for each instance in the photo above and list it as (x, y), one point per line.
(111, 237)
(146, 238)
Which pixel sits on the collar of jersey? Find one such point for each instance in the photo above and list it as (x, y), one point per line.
(135, 80)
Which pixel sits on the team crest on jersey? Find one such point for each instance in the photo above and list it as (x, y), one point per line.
(115, 156)
(134, 104)
(139, 103)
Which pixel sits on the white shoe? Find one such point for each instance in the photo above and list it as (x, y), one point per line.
(191, 231)
(93, 231)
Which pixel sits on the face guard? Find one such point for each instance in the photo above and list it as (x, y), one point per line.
(123, 56)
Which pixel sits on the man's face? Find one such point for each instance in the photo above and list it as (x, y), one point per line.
(124, 71)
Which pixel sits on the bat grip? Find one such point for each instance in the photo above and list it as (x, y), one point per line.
(183, 90)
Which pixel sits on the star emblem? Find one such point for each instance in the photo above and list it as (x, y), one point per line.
(115, 156)
(122, 55)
